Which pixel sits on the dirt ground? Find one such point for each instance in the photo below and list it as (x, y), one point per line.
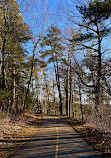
(99, 140)
(14, 133)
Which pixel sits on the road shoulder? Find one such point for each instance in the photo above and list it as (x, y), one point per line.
(14, 133)
(95, 138)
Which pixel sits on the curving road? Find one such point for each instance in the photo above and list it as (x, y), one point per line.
(56, 139)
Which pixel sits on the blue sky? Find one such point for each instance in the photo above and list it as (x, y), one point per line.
(54, 14)
(30, 9)
(54, 8)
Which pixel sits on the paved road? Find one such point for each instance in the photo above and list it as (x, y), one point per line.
(56, 139)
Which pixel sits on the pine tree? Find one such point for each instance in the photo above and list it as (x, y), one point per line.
(96, 27)
(14, 32)
(53, 40)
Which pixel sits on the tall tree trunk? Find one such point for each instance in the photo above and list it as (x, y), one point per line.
(2, 71)
(81, 106)
(68, 87)
(66, 91)
(59, 89)
(31, 73)
(58, 86)
(3, 52)
(98, 85)
(70, 82)
(24, 108)
(33, 100)
(54, 97)
(14, 84)
(37, 93)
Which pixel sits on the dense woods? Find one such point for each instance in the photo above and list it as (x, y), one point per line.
(52, 70)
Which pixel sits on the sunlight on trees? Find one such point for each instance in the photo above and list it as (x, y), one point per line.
(48, 69)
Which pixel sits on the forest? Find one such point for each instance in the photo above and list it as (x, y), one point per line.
(56, 61)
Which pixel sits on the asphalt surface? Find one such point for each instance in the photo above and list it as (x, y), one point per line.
(56, 139)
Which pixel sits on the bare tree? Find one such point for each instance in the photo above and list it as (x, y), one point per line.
(37, 10)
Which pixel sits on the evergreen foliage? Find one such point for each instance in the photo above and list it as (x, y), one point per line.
(14, 32)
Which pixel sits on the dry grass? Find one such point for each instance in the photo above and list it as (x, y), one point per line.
(13, 134)
(99, 140)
